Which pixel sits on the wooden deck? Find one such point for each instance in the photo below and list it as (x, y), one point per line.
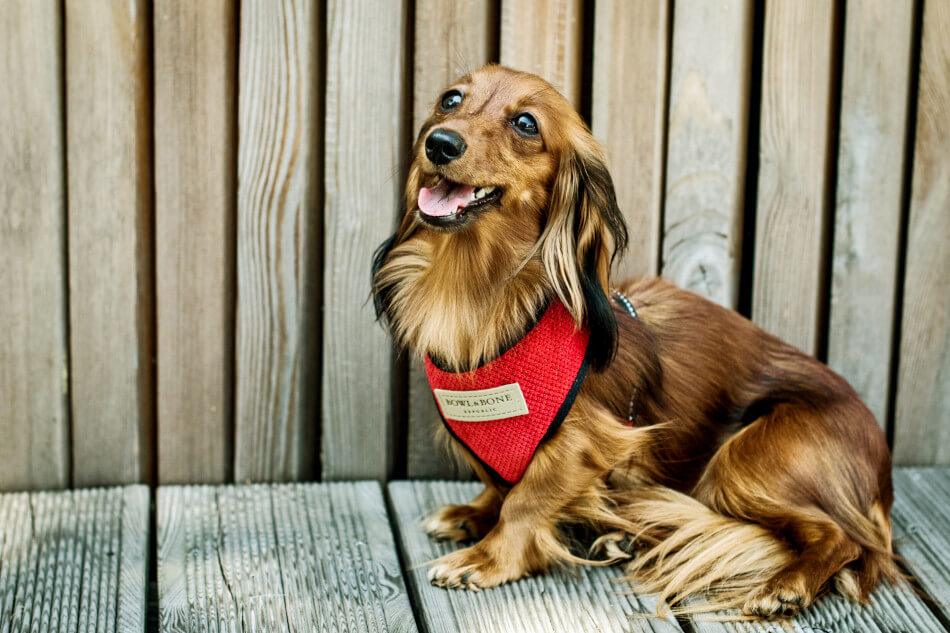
(336, 557)
(73, 561)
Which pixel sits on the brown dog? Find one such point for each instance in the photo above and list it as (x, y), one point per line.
(752, 473)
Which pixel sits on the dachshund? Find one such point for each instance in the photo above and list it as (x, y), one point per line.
(713, 458)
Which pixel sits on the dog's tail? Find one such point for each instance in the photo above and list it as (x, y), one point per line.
(688, 549)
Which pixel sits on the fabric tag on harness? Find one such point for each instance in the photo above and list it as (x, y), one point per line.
(505, 409)
(482, 405)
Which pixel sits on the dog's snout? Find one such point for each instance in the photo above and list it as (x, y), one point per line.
(443, 146)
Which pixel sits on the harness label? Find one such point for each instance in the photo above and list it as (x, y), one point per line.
(482, 405)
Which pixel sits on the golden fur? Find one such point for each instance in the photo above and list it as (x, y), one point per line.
(752, 475)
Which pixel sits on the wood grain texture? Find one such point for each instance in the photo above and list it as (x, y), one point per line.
(581, 599)
(365, 144)
(195, 57)
(544, 37)
(110, 241)
(278, 558)
(869, 195)
(921, 515)
(922, 416)
(34, 416)
(74, 561)
(631, 57)
(794, 161)
(278, 242)
(451, 39)
(706, 147)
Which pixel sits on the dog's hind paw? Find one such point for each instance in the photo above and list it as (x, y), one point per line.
(780, 598)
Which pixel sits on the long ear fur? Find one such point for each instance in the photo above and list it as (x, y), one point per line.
(382, 294)
(584, 232)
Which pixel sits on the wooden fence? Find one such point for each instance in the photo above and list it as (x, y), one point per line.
(190, 193)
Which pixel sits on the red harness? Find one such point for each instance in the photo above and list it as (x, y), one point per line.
(503, 410)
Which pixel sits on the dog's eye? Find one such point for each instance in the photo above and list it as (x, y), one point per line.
(450, 100)
(525, 124)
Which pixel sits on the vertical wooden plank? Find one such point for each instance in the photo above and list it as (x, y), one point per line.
(365, 144)
(794, 161)
(194, 207)
(706, 148)
(451, 39)
(544, 37)
(34, 415)
(278, 247)
(110, 241)
(877, 50)
(629, 117)
(922, 417)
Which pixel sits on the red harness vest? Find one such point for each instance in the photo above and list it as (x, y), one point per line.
(503, 410)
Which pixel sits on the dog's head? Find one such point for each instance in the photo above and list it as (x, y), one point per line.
(505, 159)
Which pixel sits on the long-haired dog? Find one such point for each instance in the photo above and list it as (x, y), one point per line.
(740, 467)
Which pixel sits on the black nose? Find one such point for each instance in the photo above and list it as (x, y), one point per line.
(443, 146)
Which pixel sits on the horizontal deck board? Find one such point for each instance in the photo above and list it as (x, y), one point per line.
(296, 557)
(584, 599)
(921, 518)
(74, 561)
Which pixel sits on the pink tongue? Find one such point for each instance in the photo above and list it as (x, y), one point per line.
(445, 198)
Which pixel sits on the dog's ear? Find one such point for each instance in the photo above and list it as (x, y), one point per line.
(585, 231)
(382, 293)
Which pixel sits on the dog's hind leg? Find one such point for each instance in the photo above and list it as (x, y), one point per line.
(812, 477)
(823, 549)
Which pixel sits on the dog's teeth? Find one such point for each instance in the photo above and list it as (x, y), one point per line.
(479, 193)
(487, 190)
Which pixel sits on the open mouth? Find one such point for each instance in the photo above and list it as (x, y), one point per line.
(449, 202)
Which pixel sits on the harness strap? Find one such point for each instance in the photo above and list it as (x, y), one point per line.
(627, 305)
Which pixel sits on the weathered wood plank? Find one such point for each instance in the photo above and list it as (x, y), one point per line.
(278, 241)
(34, 418)
(631, 41)
(584, 599)
(794, 161)
(869, 193)
(316, 557)
(110, 240)
(74, 561)
(132, 579)
(706, 147)
(921, 515)
(365, 145)
(451, 39)
(195, 57)
(922, 431)
(544, 37)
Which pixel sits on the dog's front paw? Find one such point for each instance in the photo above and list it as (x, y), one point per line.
(472, 568)
(458, 523)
